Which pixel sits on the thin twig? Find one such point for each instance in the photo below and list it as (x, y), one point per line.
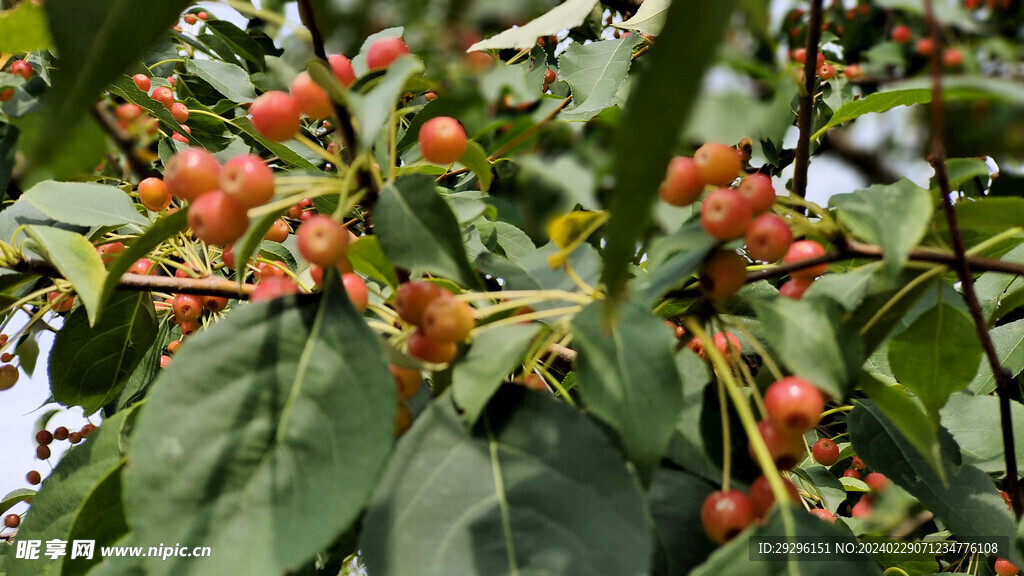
(937, 158)
(209, 286)
(139, 167)
(806, 114)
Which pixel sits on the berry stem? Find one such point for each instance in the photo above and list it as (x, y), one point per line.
(723, 411)
(568, 310)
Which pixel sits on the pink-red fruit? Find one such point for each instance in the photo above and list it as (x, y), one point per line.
(447, 320)
(322, 240)
(217, 219)
(768, 238)
(825, 452)
(1004, 567)
(723, 274)
(385, 51)
(153, 194)
(442, 140)
(726, 514)
(342, 68)
(191, 173)
(310, 97)
(247, 180)
(271, 288)
(718, 164)
(759, 190)
(794, 405)
(22, 68)
(275, 115)
(683, 184)
(805, 250)
(726, 214)
(412, 299)
(427, 349)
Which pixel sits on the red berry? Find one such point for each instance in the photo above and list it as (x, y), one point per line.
(924, 47)
(88, 429)
(75, 437)
(442, 140)
(153, 194)
(191, 173)
(187, 308)
(430, 96)
(142, 266)
(805, 250)
(794, 405)
(278, 232)
(825, 452)
(726, 214)
(275, 115)
(44, 437)
(22, 68)
(795, 287)
(189, 328)
(164, 96)
(179, 137)
(683, 184)
(728, 345)
(165, 361)
(759, 190)
(858, 464)
(851, 473)
(863, 508)
(142, 81)
(726, 514)
(407, 380)
(174, 345)
(427, 349)
(108, 252)
(342, 68)
(762, 497)
(34, 477)
(322, 241)
(266, 270)
(718, 164)
(203, 15)
(128, 113)
(247, 180)
(854, 71)
(786, 450)
(385, 51)
(217, 219)
(271, 288)
(901, 34)
(1003, 567)
(356, 289)
(723, 274)
(826, 71)
(9, 373)
(43, 452)
(12, 521)
(60, 433)
(228, 256)
(447, 319)
(191, 19)
(952, 58)
(310, 97)
(768, 238)
(876, 481)
(180, 113)
(412, 298)
(824, 515)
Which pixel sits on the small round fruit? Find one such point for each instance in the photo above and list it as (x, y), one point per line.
(271, 288)
(952, 58)
(202, 15)
(356, 289)
(851, 473)
(191, 19)
(826, 71)
(165, 361)
(768, 238)
(108, 252)
(142, 266)
(683, 184)
(447, 319)
(265, 270)
(858, 464)
(322, 240)
(407, 380)
(794, 288)
(805, 250)
(44, 437)
(278, 232)
(901, 34)
(876, 481)
(759, 190)
(442, 140)
(924, 47)
(825, 452)
(726, 214)
(794, 405)
(164, 96)
(174, 345)
(718, 164)
(863, 508)
(248, 180)
(34, 478)
(187, 308)
(75, 437)
(728, 344)
(128, 113)
(43, 452)
(191, 173)
(427, 349)
(9, 375)
(824, 515)
(275, 115)
(22, 68)
(412, 298)
(180, 112)
(785, 450)
(12, 521)
(853, 72)
(310, 97)
(726, 514)
(60, 433)
(385, 51)
(762, 497)
(217, 219)
(1004, 567)
(154, 195)
(228, 256)
(723, 274)
(342, 68)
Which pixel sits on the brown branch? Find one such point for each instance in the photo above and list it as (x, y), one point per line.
(806, 115)
(209, 286)
(139, 167)
(937, 158)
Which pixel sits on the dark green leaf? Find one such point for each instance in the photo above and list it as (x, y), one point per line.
(975, 425)
(675, 258)
(565, 16)
(1001, 293)
(100, 519)
(84, 204)
(228, 79)
(628, 378)
(495, 352)
(649, 19)
(287, 441)
(595, 73)
(877, 102)
(910, 418)
(541, 492)
(675, 499)
(532, 272)
(1009, 343)
(23, 29)
(369, 259)
(14, 497)
(825, 484)
(475, 158)
(237, 40)
(983, 218)
(8, 149)
(89, 364)
(678, 63)
(77, 260)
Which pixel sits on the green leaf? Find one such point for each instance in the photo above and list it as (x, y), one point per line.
(60, 502)
(945, 12)
(1008, 340)
(516, 80)
(675, 500)
(983, 218)
(848, 288)
(228, 79)
(674, 259)
(100, 519)
(237, 40)
(964, 170)
(286, 154)
(811, 339)
(23, 29)
(1001, 293)
(567, 15)
(287, 441)
(628, 378)
(895, 216)
(824, 484)
(418, 230)
(97, 41)
(475, 159)
(537, 492)
(678, 62)
(77, 261)
(373, 110)
(161, 230)
(14, 497)
(368, 258)
(532, 272)
(937, 355)
(495, 352)
(877, 102)
(247, 245)
(90, 364)
(974, 423)
(83, 204)
(595, 72)
(967, 503)
(649, 18)
(909, 416)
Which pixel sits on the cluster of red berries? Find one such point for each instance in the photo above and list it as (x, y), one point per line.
(408, 382)
(441, 320)
(193, 18)
(9, 373)
(44, 438)
(826, 452)
(793, 406)
(163, 94)
(925, 46)
(825, 70)
(18, 68)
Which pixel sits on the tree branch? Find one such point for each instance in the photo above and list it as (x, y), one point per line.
(806, 115)
(139, 167)
(209, 286)
(937, 158)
